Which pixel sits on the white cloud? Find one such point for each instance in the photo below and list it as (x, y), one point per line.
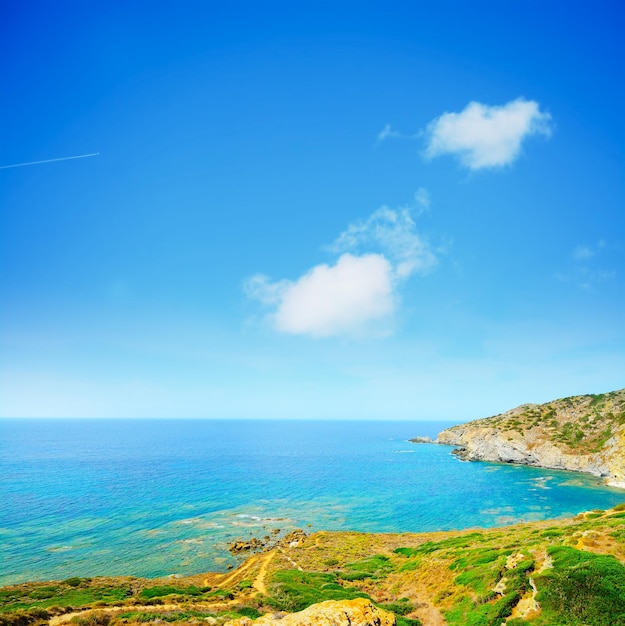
(583, 252)
(584, 270)
(339, 299)
(359, 293)
(387, 132)
(422, 199)
(485, 136)
(392, 232)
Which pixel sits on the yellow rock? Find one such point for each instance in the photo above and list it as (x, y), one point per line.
(357, 612)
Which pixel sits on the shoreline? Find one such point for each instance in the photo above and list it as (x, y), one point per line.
(422, 576)
(458, 451)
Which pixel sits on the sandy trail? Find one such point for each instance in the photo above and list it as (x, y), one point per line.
(259, 582)
(237, 572)
(63, 619)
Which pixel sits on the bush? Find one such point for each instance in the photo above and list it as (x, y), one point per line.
(166, 590)
(293, 590)
(401, 607)
(583, 588)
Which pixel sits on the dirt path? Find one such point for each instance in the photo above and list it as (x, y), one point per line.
(528, 606)
(67, 617)
(237, 572)
(259, 582)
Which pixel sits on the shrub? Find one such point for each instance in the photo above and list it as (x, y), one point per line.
(166, 590)
(293, 590)
(583, 588)
(401, 607)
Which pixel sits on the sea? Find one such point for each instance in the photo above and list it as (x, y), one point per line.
(149, 498)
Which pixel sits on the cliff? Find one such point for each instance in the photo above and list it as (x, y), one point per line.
(580, 433)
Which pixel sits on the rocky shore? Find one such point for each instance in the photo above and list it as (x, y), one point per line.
(581, 433)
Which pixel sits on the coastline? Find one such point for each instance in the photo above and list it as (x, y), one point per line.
(584, 434)
(417, 578)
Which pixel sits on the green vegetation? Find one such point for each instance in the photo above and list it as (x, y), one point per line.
(165, 590)
(65, 594)
(292, 590)
(573, 568)
(582, 588)
(376, 566)
(582, 423)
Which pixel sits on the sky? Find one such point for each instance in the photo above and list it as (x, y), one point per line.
(346, 210)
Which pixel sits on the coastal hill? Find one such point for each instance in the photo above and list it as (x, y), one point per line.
(580, 433)
(557, 572)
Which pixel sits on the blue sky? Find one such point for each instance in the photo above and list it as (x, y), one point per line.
(310, 210)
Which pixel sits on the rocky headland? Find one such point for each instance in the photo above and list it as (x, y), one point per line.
(580, 433)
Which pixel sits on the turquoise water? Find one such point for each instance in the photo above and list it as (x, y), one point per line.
(159, 497)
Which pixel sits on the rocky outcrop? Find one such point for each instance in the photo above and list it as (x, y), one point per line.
(242, 545)
(358, 612)
(294, 539)
(581, 433)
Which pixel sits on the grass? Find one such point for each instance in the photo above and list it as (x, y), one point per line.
(472, 578)
(292, 590)
(166, 590)
(41, 597)
(582, 424)
(582, 588)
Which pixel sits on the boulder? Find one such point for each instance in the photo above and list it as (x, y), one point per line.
(357, 612)
(245, 546)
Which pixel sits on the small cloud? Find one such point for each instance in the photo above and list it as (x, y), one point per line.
(344, 298)
(258, 287)
(392, 232)
(583, 252)
(584, 271)
(359, 292)
(483, 136)
(387, 132)
(422, 199)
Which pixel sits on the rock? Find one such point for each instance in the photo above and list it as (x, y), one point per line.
(422, 440)
(294, 539)
(245, 546)
(357, 612)
(581, 434)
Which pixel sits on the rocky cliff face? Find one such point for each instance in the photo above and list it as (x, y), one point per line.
(580, 433)
(358, 612)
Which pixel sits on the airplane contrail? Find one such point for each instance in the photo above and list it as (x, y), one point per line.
(69, 158)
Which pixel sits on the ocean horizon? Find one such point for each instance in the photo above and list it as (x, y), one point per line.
(157, 497)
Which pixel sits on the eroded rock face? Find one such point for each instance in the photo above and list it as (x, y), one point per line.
(357, 612)
(578, 434)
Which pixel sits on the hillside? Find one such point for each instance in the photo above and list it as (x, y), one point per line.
(580, 433)
(564, 572)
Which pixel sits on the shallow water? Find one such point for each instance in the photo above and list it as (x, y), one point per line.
(158, 497)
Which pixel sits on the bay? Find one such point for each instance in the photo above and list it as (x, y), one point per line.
(160, 497)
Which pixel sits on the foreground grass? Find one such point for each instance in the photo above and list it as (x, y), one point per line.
(557, 573)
